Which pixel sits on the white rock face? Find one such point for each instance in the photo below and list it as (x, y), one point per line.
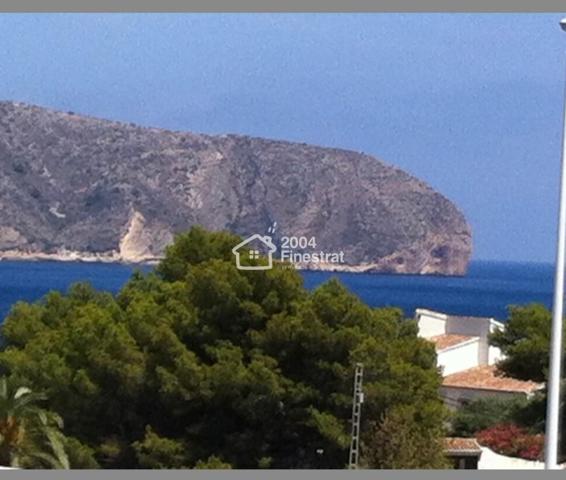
(138, 244)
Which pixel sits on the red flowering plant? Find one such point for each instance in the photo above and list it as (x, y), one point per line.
(513, 441)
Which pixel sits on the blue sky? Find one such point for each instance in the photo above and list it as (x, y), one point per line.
(470, 103)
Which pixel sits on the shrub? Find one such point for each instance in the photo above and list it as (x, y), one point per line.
(513, 441)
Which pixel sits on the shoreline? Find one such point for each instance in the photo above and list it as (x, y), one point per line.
(116, 258)
(76, 257)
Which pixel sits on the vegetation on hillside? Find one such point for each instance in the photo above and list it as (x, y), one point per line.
(200, 365)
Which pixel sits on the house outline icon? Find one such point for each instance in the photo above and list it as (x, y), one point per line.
(254, 252)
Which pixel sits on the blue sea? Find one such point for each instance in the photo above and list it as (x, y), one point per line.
(487, 290)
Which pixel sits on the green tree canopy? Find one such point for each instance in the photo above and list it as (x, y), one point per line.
(487, 412)
(200, 364)
(525, 342)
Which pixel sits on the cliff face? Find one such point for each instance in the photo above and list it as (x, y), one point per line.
(84, 188)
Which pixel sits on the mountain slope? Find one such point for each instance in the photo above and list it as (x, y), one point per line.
(79, 187)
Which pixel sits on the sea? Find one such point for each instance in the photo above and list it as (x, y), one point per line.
(487, 290)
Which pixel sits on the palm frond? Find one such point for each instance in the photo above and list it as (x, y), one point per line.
(21, 391)
(32, 436)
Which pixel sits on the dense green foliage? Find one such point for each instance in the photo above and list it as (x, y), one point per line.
(485, 413)
(525, 341)
(202, 365)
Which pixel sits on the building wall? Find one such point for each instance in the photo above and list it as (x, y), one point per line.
(455, 397)
(459, 358)
(431, 324)
(490, 460)
(476, 327)
(494, 355)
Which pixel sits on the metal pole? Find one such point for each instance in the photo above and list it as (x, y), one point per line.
(356, 416)
(554, 376)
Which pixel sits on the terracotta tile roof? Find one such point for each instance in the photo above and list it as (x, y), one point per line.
(449, 340)
(461, 446)
(487, 377)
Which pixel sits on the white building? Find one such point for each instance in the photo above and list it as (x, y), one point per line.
(466, 359)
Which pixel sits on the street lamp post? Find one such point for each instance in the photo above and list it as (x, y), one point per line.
(556, 353)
